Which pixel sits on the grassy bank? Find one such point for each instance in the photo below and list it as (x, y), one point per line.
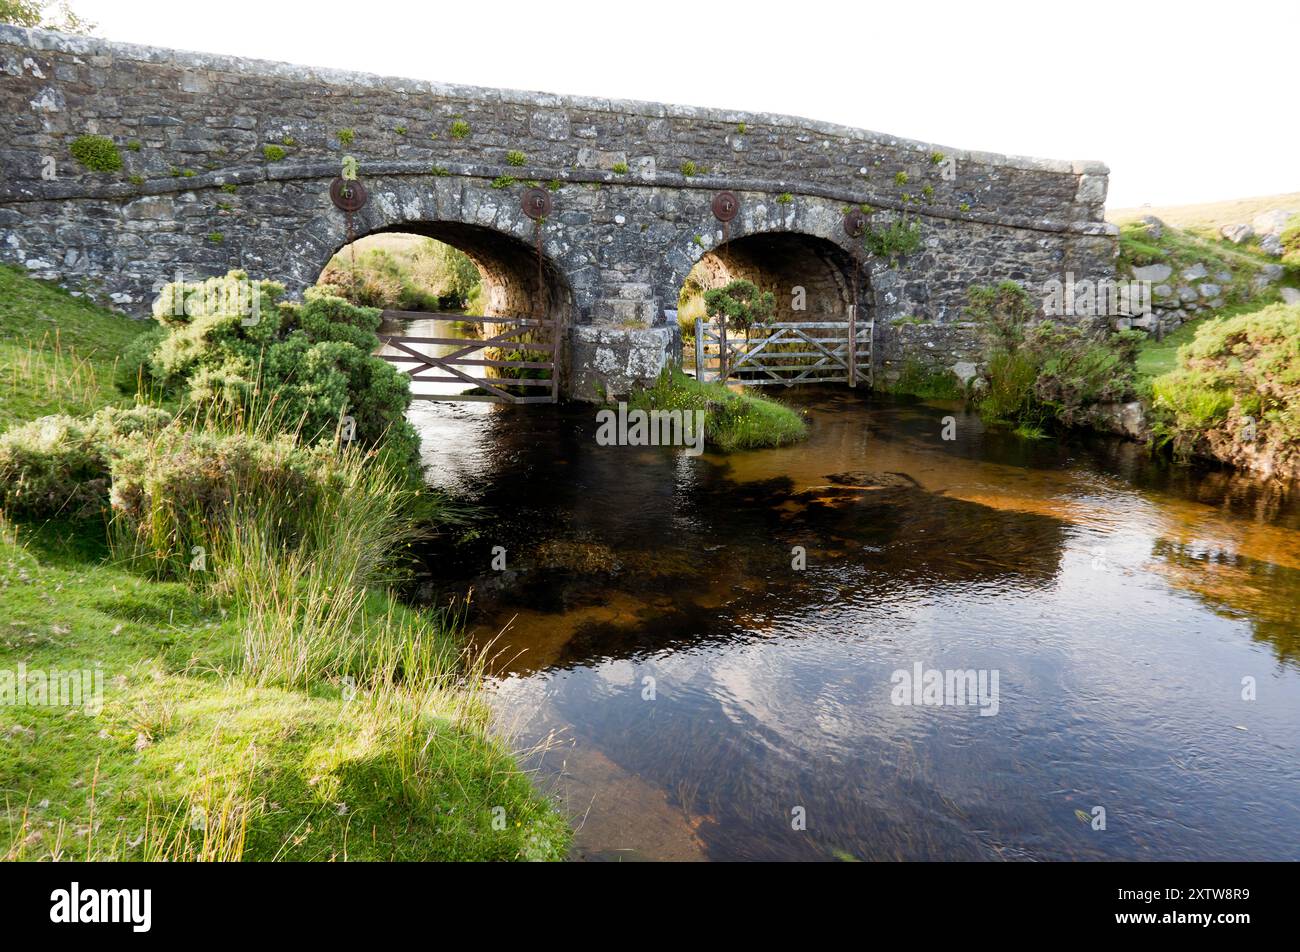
(1233, 393)
(271, 700)
(732, 421)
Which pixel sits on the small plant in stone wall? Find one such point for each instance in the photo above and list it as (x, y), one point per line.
(893, 239)
(96, 153)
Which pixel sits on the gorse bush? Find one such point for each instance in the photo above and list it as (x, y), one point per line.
(59, 465)
(1037, 372)
(233, 345)
(1235, 393)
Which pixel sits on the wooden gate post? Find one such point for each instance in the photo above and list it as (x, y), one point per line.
(853, 344)
(722, 350)
(699, 349)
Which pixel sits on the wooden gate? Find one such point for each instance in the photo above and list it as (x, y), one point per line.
(541, 387)
(786, 353)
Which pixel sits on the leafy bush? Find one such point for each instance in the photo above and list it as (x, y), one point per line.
(1291, 245)
(307, 364)
(59, 465)
(97, 153)
(733, 421)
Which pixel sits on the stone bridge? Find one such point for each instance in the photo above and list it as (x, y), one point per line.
(221, 163)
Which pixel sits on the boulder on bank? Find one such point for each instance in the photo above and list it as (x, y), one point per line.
(1271, 222)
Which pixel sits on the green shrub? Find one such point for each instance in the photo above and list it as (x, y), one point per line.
(133, 373)
(516, 158)
(740, 305)
(1246, 366)
(59, 465)
(96, 153)
(177, 488)
(733, 421)
(459, 129)
(273, 153)
(689, 168)
(894, 239)
(307, 364)
(426, 275)
(1036, 372)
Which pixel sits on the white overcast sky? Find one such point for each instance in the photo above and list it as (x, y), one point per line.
(1187, 102)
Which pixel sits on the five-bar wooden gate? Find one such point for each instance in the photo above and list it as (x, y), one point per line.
(786, 353)
(404, 349)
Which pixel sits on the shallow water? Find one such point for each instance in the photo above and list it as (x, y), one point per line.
(1120, 602)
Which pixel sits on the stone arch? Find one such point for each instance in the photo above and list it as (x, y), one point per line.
(486, 224)
(778, 247)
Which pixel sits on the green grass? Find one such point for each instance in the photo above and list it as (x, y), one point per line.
(58, 353)
(284, 705)
(1157, 357)
(733, 421)
(313, 776)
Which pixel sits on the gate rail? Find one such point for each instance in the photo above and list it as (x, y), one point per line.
(820, 354)
(400, 349)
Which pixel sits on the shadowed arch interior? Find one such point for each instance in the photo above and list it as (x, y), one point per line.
(780, 262)
(508, 269)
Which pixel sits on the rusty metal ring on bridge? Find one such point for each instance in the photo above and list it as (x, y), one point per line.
(855, 223)
(725, 206)
(348, 195)
(537, 203)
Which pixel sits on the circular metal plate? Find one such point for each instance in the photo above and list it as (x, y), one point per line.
(725, 206)
(349, 196)
(537, 203)
(855, 223)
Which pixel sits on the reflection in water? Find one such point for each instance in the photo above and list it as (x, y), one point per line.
(703, 688)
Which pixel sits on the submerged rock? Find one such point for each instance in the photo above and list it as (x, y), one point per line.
(574, 556)
(861, 479)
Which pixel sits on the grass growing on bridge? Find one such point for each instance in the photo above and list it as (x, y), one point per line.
(733, 421)
(278, 704)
